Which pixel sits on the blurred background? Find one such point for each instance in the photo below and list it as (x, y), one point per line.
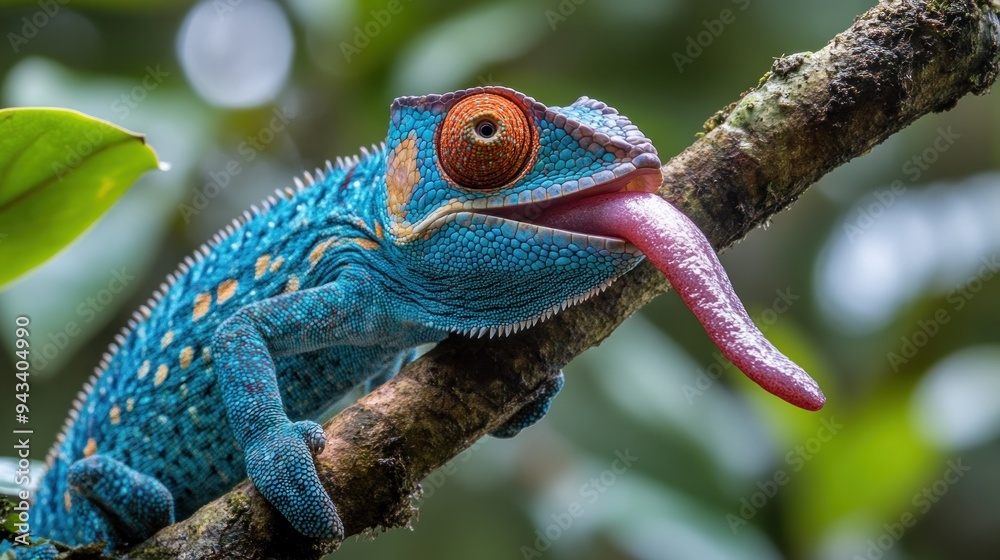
(881, 280)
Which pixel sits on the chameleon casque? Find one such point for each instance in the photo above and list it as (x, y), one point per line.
(483, 213)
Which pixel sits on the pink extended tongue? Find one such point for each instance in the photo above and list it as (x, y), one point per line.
(680, 250)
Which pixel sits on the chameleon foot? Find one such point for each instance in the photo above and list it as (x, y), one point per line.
(30, 552)
(533, 411)
(139, 504)
(280, 464)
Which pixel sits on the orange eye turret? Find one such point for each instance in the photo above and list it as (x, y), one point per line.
(485, 141)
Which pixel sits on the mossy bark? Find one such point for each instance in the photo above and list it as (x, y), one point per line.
(809, 114)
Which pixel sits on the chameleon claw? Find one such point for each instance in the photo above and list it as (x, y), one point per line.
(313, 435)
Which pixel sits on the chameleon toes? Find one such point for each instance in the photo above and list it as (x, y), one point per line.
(313, 435)
(281, 466)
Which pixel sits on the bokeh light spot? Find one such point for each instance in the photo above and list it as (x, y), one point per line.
(894, 248)
(956, 404)
(236, 55)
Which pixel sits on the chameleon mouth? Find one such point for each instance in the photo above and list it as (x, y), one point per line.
(532, 218)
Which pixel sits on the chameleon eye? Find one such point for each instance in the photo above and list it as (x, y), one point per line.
(485, 141)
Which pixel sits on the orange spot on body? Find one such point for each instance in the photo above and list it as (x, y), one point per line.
(167, 339)
(260, 267)
(129, 404)
(226, 290)
(366, 244)
(115, 414)
(67, 501)
(292, 285)
(91, 447)
(277, 264)
(143, 369)
(402, 174)
(187, 354)
(161, 374)
(319, 249)
(201, 305)
(378, 231)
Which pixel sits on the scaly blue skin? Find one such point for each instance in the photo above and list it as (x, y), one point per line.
(327, 287)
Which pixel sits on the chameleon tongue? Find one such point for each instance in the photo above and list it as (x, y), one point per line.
(680, 250)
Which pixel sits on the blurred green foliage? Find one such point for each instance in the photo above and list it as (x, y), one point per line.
(864, 266)
(61, 170)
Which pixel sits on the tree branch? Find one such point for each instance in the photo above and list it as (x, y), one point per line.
(811, 113)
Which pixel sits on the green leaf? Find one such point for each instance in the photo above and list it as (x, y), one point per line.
(60, 170)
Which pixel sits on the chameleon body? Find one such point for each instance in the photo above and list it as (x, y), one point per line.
(331, 285)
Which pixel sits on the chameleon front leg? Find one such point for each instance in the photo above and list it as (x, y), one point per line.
(279, 453)
(30, 552)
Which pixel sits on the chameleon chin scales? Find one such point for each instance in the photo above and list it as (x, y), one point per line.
(484, 212)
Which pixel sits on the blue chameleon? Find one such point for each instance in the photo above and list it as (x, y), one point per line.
(331, 285)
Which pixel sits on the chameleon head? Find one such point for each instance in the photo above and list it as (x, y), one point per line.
(470, 176)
